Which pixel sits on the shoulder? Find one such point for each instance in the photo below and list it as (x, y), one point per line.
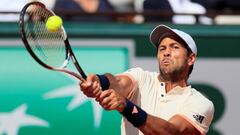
(199, 99)
(197, 102)
(139, 70)
(140, 74)
(135, 71)
(198, 110)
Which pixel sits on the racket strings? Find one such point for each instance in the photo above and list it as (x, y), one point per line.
(48, 46)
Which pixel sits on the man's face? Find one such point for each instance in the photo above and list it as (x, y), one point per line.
(173, 58)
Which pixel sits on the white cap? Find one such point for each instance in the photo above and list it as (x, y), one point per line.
(160, 30)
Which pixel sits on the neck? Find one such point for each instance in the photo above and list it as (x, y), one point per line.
(170, 82)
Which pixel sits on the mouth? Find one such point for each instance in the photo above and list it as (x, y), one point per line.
(166, 62)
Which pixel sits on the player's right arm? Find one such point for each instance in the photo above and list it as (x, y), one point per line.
(92, 86)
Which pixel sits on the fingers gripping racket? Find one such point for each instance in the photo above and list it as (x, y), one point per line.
(50, 49)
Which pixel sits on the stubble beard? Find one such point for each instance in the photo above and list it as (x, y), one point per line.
(171, 74)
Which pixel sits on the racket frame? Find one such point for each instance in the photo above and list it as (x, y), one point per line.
(69, 52)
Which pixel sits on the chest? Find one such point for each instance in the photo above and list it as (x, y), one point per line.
(161, 104)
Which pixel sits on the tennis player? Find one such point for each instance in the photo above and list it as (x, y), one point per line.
(157, 103)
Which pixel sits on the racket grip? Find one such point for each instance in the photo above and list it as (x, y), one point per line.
(104, 82)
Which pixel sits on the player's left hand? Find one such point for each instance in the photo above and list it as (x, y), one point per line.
(91, 87)
(111, 100)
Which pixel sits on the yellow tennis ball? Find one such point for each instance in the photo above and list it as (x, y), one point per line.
(54, 23)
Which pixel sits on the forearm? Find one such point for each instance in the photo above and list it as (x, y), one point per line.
(148, 124)
(152, 125)
(158, 126)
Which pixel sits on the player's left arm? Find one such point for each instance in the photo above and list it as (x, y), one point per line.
(148, 124)
(175, 126)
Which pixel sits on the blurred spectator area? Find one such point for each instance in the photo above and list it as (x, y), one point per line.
(135, 11)
(84, 7)
(9, 9)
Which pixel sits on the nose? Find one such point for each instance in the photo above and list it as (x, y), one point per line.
(167, 52)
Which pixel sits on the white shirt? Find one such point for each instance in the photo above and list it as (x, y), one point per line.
(150, 94)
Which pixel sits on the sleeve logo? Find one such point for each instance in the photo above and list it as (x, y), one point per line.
(198, 118)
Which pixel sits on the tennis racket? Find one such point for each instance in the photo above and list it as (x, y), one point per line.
(50, 49)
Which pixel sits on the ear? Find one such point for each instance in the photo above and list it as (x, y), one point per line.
(191, 59)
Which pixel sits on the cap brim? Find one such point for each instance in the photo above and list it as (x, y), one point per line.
(158, 32)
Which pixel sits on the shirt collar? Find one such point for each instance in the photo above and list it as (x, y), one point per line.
(178, 90)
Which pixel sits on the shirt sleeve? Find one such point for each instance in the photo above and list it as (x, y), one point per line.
(136, 75)
(199, 111)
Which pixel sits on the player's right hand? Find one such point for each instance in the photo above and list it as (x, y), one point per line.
(91, 87)
(111, 100)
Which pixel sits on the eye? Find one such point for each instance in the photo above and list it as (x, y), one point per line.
(161, 48)
(176, 46)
